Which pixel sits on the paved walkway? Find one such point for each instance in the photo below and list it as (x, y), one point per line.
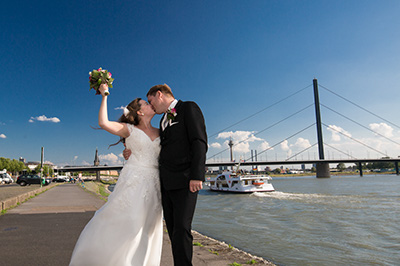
(44, 230)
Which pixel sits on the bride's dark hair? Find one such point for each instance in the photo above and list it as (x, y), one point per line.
(131, 118)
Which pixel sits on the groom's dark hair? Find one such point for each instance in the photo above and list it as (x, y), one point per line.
(164, 88)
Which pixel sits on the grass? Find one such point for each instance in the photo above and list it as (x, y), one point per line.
(102, 191)
(96, 188)
(235, 264)
(213, 252)
(197, 244)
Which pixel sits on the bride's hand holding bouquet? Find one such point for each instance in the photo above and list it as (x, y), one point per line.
(103, 90)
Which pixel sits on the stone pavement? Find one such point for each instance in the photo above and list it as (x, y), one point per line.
(44, 230)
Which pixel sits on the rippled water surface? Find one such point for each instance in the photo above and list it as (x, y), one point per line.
(309, 221)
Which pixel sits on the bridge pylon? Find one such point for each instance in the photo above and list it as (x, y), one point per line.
(322, 167)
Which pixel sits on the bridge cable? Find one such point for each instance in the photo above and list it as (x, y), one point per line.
(269, 127)
(359, 106)
(360, 124)
(340, 151)
(256, 113)
(355, 140)
(291, 136)
(301, 151)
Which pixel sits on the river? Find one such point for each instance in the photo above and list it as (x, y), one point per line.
(347, 220)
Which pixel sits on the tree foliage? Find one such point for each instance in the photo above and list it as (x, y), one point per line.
(341, 167)
(277, 171)
(47, 170)
(11, 165)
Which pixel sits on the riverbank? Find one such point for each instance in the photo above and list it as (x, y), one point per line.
(206, 249)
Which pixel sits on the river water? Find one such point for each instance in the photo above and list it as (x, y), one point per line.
(347, 220)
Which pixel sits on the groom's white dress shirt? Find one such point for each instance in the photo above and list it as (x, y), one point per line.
(165, 120)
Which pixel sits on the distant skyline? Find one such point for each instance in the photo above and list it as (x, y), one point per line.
(233, 58)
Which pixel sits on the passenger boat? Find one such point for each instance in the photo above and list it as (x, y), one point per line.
(241, 183)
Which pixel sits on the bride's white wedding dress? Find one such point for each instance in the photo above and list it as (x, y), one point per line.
(127, 230)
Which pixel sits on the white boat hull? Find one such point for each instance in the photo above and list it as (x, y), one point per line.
(269, 188)
(228, 182)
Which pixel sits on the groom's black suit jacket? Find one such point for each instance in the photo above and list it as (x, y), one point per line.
(183, 147)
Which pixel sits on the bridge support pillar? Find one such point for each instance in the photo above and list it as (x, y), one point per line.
(396, 164)
(323, 170)
(98, 176)
(360, 168)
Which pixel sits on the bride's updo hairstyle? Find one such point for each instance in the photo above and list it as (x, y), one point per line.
(132, 117)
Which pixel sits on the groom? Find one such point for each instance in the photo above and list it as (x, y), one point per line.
(182, 166)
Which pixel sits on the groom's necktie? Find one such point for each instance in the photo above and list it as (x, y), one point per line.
(164, 122)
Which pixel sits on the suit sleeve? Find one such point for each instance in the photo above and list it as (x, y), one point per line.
(197, 135)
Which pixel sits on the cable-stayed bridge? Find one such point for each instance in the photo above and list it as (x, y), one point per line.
(322, 163)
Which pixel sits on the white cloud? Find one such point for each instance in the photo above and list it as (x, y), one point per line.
(302, 143)
(284, 145)
(335, 132)
(264, 145)
(382, 128)
(43, 118)
(75, 157)
(215, 145)
(242, 147)
(110, 158)
(241, 140)
(2, 136)
(85, 163)
(119, 108)
(239, 136)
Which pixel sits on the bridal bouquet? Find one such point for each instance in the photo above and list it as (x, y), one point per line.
(98, 77)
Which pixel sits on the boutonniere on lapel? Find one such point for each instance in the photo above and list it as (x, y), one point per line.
(171, 113)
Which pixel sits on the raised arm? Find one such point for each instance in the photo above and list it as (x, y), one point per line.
(116, 128)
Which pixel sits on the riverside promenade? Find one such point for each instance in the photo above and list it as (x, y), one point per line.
(44, 230)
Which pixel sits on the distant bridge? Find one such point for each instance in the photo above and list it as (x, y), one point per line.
(359, 162)
(322, 164)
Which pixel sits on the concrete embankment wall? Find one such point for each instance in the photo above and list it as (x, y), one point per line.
(13, 201)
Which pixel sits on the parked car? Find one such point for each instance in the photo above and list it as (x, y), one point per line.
(61, 179)
(6, 179)
(24, 180)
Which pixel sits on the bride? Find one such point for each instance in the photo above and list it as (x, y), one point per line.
(127, 230)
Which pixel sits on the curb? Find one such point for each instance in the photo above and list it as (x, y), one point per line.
(12, 202)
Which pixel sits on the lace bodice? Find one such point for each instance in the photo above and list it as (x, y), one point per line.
(145, 152)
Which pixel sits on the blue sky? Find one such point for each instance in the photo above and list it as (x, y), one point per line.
(233, 58)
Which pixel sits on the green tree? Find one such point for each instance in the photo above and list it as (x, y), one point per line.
(381, 165)
(4, 163)
(341, 167)
(13, 165)
(277, 171)
(47, 170)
